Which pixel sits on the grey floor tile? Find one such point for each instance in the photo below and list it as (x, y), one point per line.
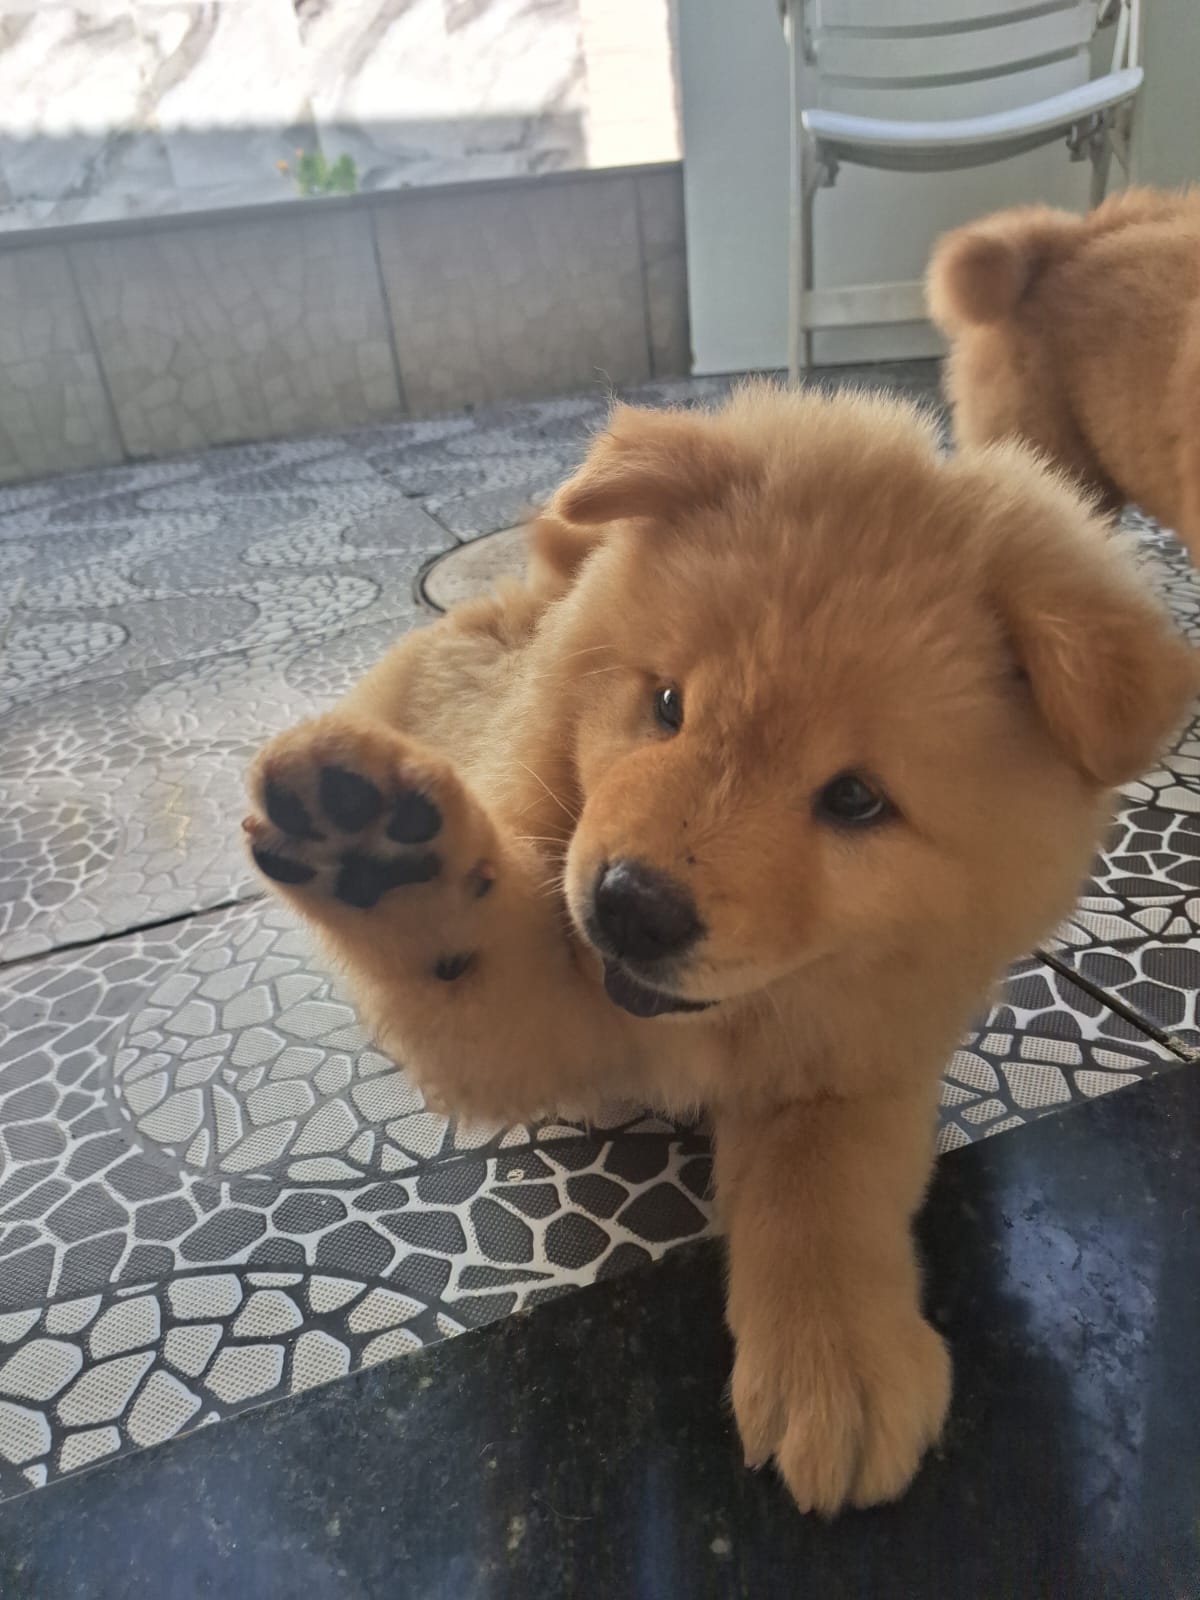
(172, 585)
(121, 799)
(473, 569)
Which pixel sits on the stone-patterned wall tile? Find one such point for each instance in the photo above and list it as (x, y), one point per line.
(520, 292)
(71, 79)
(123, 108)
(212, 63)
(54, 415)
(436, 93)
(664, 262)
(237, 331)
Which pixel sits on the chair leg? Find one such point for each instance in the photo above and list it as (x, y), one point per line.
(1122, 141)
(796, 252)
(797, 233)
(1100, 152)
(809, 200)
(804, 189)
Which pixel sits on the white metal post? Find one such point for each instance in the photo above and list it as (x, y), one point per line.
(799, 244)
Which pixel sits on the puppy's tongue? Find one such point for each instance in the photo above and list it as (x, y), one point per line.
(640, 1000)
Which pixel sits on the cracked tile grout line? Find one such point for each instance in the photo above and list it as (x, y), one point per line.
(127, 933)
(1119, 1007)
(459, 539)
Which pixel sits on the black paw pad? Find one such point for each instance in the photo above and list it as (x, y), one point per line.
(363, 880)
(287, 811)
(349, 800)
(414, 819)
(451, 967)
(281, 869)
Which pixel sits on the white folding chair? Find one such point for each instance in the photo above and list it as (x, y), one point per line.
(848, 50)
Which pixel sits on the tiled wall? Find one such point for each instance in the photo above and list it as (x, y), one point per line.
(146, 340)
(518, 294)
(53, 411)
(246, 331)
(664, 264)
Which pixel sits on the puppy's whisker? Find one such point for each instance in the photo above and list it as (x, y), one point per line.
(544, 677)
(561, 804)
(588, 650)
(561, 661)
(574, 680)
(550, 891)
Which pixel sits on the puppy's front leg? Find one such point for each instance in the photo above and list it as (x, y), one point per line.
(837, 1373)
(452, 934)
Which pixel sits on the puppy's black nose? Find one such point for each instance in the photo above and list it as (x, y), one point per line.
(643, 914)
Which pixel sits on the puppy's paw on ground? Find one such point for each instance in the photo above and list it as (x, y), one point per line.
(907, 1398)
(847, 1426)
(354, 813)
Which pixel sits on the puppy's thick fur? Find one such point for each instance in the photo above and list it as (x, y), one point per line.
(1081, 335)
(826, 595)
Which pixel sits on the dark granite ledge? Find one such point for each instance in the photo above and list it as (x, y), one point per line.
(584, 1451)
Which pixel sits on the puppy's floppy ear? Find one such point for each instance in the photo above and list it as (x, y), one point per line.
(653, 464)
(1110, 676)
(558, 550)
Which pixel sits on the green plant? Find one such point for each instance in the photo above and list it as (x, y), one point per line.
(314, 175)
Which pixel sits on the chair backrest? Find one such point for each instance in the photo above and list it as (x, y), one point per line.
(948, 53)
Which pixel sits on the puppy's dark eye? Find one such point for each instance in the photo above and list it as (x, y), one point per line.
(849, 801)
(668, 708)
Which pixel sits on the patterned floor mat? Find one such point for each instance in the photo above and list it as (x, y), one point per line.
(217, 1192)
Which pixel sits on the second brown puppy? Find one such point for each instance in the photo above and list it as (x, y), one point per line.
(1081, 335)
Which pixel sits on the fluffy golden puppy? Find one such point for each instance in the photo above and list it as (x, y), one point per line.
(1081, 335)
(797, 734)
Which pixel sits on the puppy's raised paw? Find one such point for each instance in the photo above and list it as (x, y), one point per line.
(353, 814)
